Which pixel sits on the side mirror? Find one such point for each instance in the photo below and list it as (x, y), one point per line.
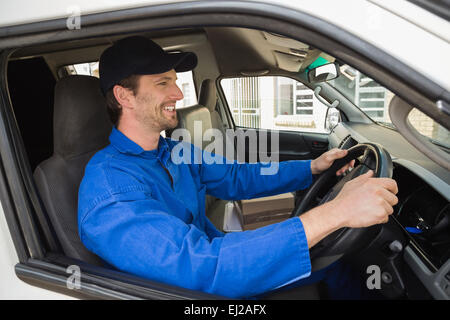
(323, 73)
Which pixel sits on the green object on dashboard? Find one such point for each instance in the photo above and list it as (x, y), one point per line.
(317, 63)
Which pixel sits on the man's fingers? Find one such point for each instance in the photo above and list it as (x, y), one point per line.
(349, 165)
(388, 196)
(389, 210)
(336, 153)
(388, 184)
(343, 169)
(366, 175)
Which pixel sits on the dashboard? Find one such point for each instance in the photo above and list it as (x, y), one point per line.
(420, 224)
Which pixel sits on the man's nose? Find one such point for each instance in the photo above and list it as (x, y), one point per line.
(177, 94)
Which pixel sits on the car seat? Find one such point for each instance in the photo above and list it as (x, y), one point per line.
(81, 127)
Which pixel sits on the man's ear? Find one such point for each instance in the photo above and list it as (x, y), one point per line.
(124, 96)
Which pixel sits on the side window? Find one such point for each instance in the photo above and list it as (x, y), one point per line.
(277, 103)
(185, 81)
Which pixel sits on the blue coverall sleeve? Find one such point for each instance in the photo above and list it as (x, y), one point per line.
(237, 181)
(130, 230)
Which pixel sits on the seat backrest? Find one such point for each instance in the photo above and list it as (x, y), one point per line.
(208, 98)
(81, 127)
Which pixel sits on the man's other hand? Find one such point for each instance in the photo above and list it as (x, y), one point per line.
(362, 202)
(365, 201)
(325, 161)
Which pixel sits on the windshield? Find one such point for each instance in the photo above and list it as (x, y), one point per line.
(373, 99)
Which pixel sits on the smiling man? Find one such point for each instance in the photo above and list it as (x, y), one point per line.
(145, 215)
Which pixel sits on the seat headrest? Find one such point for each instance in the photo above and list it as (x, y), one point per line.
(187, 118)
(208, 95)
(80, 120)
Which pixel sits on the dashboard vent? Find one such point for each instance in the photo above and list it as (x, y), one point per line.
(344, 141)
(347, 142)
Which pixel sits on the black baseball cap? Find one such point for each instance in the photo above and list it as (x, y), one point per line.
(139, 55)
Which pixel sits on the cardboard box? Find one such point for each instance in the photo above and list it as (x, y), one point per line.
(259, 212)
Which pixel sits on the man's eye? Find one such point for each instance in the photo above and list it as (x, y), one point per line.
(162, 83)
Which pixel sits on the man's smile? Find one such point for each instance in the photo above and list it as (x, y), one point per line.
(169, 109)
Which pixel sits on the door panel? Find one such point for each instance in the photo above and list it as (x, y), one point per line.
(291, 145)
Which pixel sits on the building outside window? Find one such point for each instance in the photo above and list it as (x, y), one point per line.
(277, 103)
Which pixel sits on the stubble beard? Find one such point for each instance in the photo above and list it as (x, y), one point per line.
(153, 117)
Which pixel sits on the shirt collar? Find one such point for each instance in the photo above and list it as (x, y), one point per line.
(125, 145)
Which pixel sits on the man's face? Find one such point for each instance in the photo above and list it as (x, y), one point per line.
(155, 101)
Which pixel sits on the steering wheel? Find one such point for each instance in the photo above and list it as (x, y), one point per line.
(345, 240)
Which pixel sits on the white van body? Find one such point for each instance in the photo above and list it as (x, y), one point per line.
(379, 22)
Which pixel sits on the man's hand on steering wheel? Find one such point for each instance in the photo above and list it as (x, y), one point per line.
(365, 201)
(347, 215)
(362, 202)
(325, 161)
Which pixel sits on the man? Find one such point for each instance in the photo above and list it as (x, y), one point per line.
(145, 215)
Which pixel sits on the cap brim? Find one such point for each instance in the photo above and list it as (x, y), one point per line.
(180, 62)
(184, 61)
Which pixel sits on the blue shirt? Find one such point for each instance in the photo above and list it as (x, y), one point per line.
(142, 220)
